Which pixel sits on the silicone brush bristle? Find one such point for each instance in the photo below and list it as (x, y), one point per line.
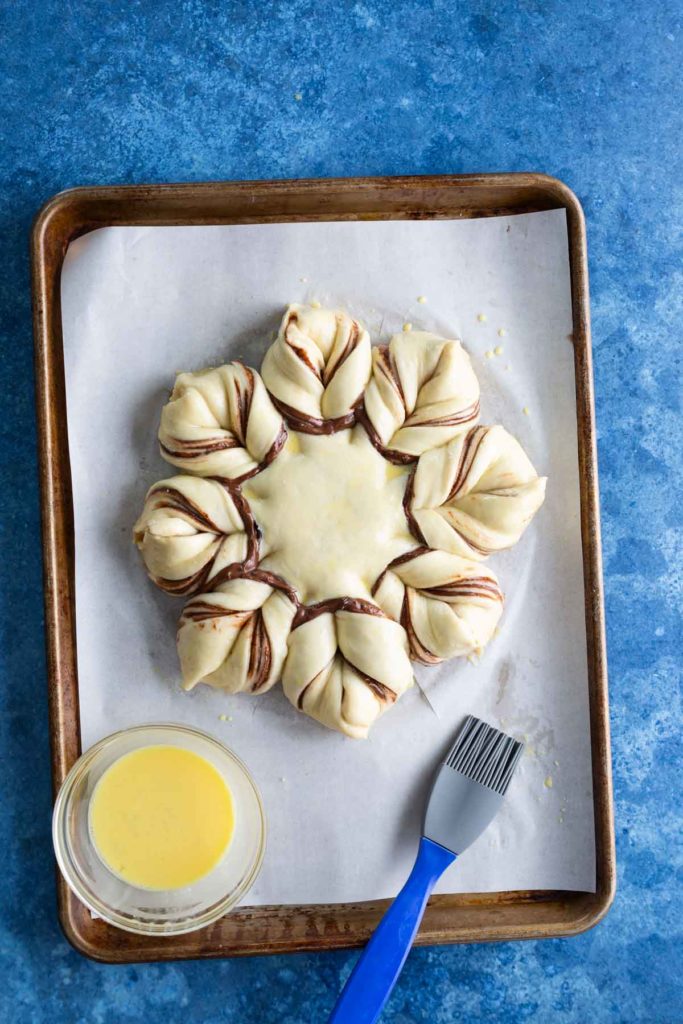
(485, 755)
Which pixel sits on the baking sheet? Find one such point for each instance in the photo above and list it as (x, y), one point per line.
(140, 304)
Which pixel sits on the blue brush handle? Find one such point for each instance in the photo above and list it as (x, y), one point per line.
(374, 976)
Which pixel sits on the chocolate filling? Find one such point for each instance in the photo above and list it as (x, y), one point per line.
(199, 580)
(382, 692)
(413, 525)
(306, 613)
(200, 611)
(196, 449)
(398, 458)
(463, 416)
(178, 502)
(470, 447)
(299, 352)
(351, 342)
(276, 582)
(260, 653)
(386, 366)
(401, 560)
(310, 424)
(244, 402)
(418, 651)
(475, 586)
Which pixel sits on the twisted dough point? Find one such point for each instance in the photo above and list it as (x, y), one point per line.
(474, 496)
(347, 663)
(317, 368)
(192, 531)
(221, 422)
(448, 606)
(235, 638)
(423, 392)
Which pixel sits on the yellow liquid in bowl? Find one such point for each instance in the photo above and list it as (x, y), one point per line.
(161, 817)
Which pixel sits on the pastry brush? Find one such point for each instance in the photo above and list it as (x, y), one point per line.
(467, 793)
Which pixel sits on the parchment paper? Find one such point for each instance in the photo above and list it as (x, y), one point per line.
(344, 816)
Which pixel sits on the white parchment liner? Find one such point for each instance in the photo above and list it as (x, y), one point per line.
(141, 304)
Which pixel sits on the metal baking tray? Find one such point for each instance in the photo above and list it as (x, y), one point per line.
(471, 917)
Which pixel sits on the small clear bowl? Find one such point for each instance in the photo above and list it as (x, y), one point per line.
(144, 911)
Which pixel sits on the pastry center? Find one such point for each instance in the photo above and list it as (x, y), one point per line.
(330, 509)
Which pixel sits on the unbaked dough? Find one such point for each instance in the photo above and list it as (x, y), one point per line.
(332, 517)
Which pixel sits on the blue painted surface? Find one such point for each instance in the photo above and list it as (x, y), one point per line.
(141, 91)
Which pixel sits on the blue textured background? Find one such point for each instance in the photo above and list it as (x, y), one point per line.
(106, 92)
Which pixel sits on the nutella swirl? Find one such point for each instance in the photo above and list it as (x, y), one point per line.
(312, 424)
(474, 496)
(354, 605)
(448, 606)
(194, 533)
(398, 458)
(334, 671)
(221, 423)
(235, 637)
(317, 369)
(423, 392)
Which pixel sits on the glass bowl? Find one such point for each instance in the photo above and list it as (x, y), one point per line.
(146, 911)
